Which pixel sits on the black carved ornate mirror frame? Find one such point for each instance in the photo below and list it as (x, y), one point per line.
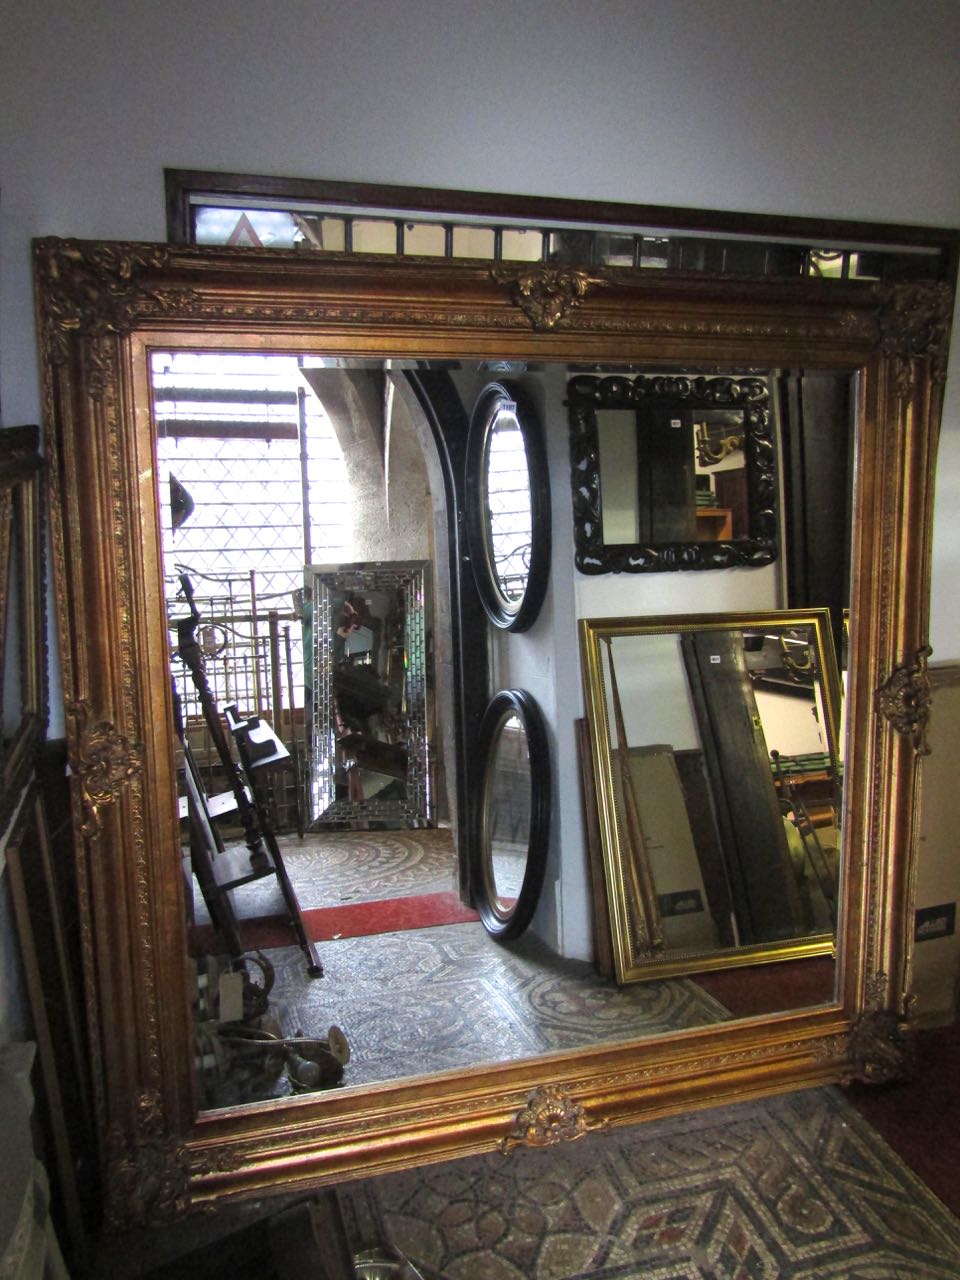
(587, 395)
(101, 308)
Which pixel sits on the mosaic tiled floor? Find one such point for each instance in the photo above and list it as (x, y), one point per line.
(443, 998)
(449, 997)
(327, 869)
(415, 1003)
(793, 1188)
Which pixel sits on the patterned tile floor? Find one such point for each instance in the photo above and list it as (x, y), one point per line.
(436, 999)
(798, 1187)
(792, 1188)
(447, 997)
(352, 866)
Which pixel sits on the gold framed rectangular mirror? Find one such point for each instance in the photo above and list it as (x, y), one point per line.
(102, 309)
(719, 790)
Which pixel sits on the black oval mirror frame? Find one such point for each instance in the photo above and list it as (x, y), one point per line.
(503, 916)
(509, 611)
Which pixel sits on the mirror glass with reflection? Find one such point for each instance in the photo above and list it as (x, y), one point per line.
(298, 498)
(365, 697)
(505, 494)
(718, 787)
(351, 963)
(507, 805)
(507, 506)
(513, 813)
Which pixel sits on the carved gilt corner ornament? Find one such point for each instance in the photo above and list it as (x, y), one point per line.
(915, 324)
(104, 761)
(96, 290)
(904, 700)
(550, 1116)
(882, 1046)
(545, 294)
(148, 1176)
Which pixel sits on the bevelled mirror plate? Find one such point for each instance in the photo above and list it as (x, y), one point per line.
(103, 308)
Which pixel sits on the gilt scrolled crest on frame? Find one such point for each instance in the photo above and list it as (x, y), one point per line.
(904, 700)
(103, 763)
(915, 322)
(101, 307)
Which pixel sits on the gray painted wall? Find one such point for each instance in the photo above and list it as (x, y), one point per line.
(843, 108)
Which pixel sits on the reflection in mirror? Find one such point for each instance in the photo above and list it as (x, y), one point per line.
(300, 702)
(506, 810)
(366, 683)
(23, 648)
(332, 843)
(513, 813)
(507, 501)
(505, 490)
(672, 472)
(718, 787)
(684, 483)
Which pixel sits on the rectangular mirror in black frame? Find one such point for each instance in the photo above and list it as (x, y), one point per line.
(671, 471)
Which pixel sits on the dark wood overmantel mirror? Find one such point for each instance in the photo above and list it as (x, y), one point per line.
(105, 311)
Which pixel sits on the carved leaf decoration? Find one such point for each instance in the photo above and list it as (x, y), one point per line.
(97, 290)
(915, 323)
(104, 761)
(149, 1173)
(882, 1048)
(546, 294)
(148, 1177)
(904, 700)
(550, 1116)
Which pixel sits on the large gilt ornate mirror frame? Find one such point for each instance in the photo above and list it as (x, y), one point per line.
(102, 307)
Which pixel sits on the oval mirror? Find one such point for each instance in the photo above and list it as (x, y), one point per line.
(513, 813)
(507, 505)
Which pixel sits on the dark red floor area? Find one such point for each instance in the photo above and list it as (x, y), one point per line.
(770, 988)
(920, 1118)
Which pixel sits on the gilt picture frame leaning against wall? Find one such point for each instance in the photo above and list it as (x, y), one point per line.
(102, 308)
(719, 796)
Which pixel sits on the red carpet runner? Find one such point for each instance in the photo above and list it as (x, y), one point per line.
(352, 920)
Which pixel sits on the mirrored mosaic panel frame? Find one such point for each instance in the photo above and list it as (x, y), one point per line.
(324, 583)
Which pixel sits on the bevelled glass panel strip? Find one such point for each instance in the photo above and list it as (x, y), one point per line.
(449, 235)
